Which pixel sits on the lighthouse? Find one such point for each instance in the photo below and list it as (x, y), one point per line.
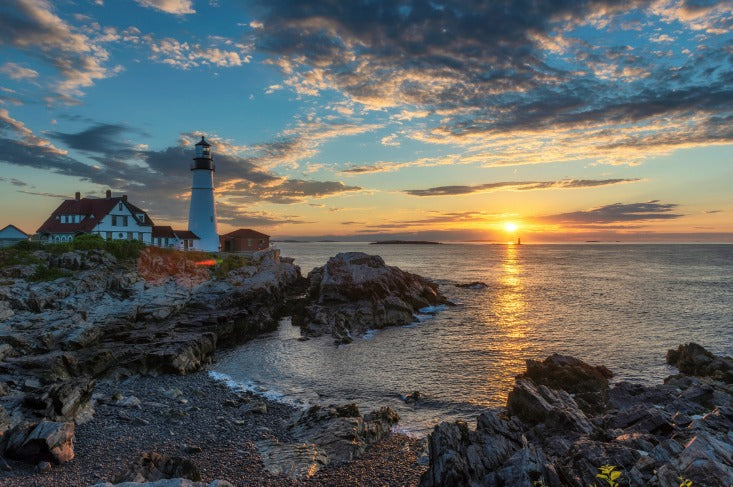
(202, 213)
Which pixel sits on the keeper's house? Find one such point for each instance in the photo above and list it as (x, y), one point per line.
(111, 218)
(244, 240)
(10, 235)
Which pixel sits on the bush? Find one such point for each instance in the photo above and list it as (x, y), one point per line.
(87, 241)
(43, 273)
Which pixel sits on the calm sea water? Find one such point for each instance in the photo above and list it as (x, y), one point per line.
(618, 305)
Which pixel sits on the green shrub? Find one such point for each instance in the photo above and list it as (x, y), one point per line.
(124, 249)
(88, 241)
(43, 273)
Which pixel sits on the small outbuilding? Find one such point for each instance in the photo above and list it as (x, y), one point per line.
(244, 240)
(166, 237)
(10, 235)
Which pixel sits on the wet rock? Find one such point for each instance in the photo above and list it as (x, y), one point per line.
(42, 467)
(44, 441)
(355, 292)
(693, 359)
(473, 285)
(167, 483)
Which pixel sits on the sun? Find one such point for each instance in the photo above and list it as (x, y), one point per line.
(510, 227)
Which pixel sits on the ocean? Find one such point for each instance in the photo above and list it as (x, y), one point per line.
(618, 305)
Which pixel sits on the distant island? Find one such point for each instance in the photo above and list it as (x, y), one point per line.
(403, 242)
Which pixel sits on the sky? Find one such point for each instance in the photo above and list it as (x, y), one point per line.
(573, 120)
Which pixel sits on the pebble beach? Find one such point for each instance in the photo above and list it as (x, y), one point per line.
(201, 419)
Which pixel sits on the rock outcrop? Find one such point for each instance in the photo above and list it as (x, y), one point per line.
(325, 435)
(162, 313)
(563, 422)
(355, 292)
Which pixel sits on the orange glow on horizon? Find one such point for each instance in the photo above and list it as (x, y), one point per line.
(510, 227)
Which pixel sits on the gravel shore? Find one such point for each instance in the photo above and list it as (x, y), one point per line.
(197, 418)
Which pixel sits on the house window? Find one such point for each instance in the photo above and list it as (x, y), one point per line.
(109, 235)
(140, 236)
(63, 218)
(249, 242)
(119, 235)
(119, 206)
(130, 235)
(124, 221)
(114, 220)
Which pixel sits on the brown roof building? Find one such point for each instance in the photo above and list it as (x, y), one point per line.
(244, 240)
(111, 218)
(167, 237)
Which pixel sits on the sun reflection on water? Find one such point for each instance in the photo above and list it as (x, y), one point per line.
(509, 304)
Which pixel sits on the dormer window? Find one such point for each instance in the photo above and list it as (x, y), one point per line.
(119, 206)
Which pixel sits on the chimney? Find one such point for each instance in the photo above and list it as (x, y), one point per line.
(78, 196)
(124, 197)
(109, 193)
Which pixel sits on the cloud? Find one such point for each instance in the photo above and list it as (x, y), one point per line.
(16, 71)
(176, 7)
(32, 26)
(517, 186)
(615, 213)
(492, 73)
(185, 55)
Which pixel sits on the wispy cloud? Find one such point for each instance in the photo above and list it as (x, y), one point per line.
(517, 186)
(616, 213)
(513, 76)
(176, 7)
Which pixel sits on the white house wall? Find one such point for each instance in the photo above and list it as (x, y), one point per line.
(117, 232)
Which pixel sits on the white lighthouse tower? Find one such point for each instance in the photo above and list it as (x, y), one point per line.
(202, 213)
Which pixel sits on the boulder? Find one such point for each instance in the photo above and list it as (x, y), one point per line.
(555, 409)
(693, 359)
(355, 292)
(588, 384)
(340, 431)
(294, 460)
(44, 441)
(151, 467)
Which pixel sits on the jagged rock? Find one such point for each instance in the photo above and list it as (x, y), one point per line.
(151, 467)
(693, 359)
(354, 292)
(588, 384)
(459, 456)
(64, 401)
(294, 460)
(340, 431)
(556, 409)
(44, 441)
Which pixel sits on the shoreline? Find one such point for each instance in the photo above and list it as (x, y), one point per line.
(209, 425)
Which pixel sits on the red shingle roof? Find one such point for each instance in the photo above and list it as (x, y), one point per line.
(163, 231)
(186, 235)
(245, 233)
(93, 209)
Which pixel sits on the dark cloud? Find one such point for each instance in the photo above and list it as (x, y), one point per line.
(14, 182)
(616, 213)
(493, 67)
(517, 186)
(103, 138)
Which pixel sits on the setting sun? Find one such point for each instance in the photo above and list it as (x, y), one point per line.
(510, 227)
